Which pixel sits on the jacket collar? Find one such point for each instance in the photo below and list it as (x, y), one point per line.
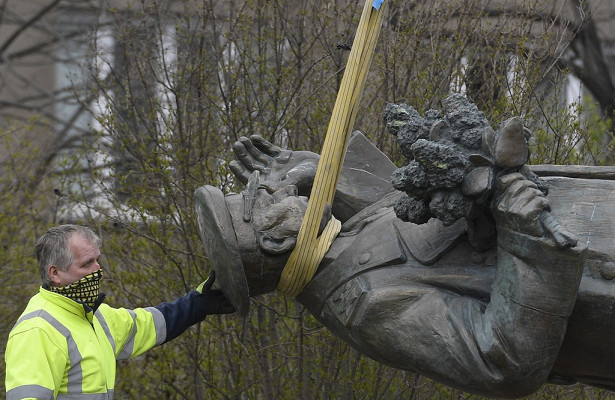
(70, 305)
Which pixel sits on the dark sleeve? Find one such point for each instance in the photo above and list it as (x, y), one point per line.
(182, 313)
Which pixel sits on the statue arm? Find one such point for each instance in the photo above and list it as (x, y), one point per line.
(503, 344)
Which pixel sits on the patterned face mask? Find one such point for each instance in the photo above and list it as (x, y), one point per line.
(85, 290)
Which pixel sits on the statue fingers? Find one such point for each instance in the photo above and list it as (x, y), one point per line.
(527, 201)
(505, 181)
(507, 194)
(265, 146)
(524, 212)
(242, 149)
(519, 204)
(531, 209)
(261, 159)
(239, 171)
(511, 187)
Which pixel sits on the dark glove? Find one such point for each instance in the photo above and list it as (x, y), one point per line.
(215, 301)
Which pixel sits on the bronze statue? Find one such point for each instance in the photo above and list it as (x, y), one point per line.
(493, 317)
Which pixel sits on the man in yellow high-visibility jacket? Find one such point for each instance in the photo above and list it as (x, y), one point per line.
(66, 342)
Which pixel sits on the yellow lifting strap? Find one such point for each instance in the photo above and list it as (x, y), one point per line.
(310, 249)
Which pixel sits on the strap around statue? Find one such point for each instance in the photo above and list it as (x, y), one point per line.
(310, 249)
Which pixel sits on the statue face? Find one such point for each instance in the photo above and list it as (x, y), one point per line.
(275, 223)
(277, 219)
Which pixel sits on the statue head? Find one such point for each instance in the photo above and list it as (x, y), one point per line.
(249, 236)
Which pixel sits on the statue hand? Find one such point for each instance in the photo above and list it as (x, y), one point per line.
(519, 204)
(277, 167)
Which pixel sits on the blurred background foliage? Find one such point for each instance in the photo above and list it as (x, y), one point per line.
(172, 84)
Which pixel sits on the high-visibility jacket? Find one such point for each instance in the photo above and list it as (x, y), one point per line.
(61, 349)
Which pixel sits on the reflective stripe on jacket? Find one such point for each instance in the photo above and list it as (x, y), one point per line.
(59, 350)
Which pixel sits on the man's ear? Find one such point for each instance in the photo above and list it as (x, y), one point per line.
(275, 246)
(52, 271)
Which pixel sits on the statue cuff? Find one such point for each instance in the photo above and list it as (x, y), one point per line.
(535, 273)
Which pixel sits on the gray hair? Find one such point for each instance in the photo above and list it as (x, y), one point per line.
(53, 247)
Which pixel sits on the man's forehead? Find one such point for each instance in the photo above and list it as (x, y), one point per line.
(80, 243)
